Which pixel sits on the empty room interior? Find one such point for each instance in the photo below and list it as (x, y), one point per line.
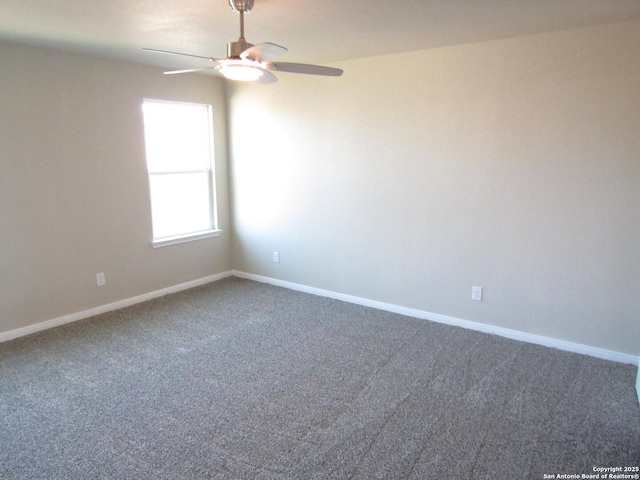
(420, 255)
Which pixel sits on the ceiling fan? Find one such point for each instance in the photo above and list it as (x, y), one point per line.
(248, 62)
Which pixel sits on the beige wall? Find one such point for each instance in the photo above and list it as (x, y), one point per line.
(513, 165)
(73, 187)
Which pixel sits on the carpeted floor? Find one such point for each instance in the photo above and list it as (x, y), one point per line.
(241, 380)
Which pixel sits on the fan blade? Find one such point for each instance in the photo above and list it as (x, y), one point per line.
(190, 70)
(263, 52)
(177, 53)
(267, 77)
(303, 68)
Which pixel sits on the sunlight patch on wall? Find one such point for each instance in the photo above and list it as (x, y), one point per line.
(261, 174)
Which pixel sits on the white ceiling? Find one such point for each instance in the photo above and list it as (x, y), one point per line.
(314, 31)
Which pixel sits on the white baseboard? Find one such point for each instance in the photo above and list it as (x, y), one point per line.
(458, 322)
(21, 332)
(411, 312)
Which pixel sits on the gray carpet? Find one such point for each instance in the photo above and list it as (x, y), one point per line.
(243, 380)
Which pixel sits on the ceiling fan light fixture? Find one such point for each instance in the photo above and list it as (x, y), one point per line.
(242, 73)
(246, 62)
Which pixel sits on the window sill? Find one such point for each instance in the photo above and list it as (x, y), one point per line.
(163, 242)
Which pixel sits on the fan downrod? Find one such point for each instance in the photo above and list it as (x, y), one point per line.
(234, 49)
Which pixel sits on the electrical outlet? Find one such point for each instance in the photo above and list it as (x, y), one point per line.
(101, 280)
(276, 257)
(476, 293)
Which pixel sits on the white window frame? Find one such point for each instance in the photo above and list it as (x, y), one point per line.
(209, 170)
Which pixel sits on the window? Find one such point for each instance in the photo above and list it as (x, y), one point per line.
(179, 144)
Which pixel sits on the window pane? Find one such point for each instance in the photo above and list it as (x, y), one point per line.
(180, 203)
(177, 136)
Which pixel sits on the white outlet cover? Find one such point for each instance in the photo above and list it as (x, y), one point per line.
(476, 293)
(100, 279)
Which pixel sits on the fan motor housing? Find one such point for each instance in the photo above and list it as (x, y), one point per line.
(234, 49)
